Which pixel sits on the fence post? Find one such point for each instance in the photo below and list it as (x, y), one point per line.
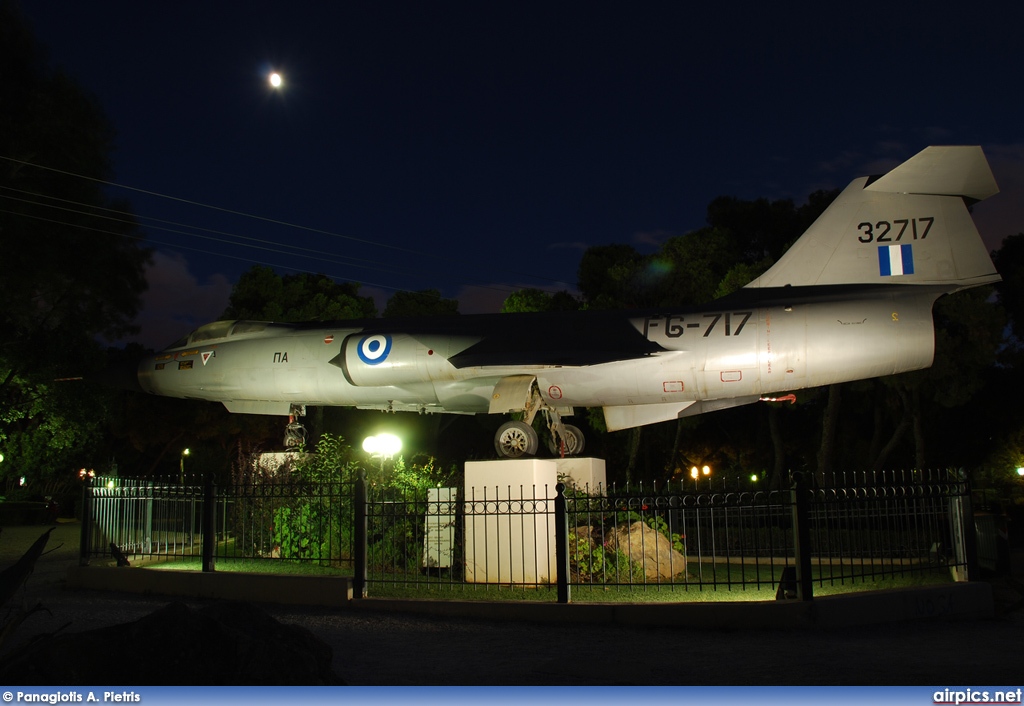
(86, 535)
(209, 523)
(801, 537)
(359, 550)
(969, 529)
(562, 543)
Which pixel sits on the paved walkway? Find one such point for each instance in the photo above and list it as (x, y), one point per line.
(373, 647)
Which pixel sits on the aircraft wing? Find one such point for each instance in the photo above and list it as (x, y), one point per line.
(558, 341)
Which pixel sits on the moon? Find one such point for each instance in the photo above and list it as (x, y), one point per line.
(275, 79)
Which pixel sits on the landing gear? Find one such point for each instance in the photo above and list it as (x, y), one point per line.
(517, 439)
(573, 442)
(295, 433)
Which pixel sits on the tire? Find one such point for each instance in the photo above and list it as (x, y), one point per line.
(574, 442)
(515, 440)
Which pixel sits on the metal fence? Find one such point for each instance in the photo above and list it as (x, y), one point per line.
(816, 533)
(852, 528)
(274, 519)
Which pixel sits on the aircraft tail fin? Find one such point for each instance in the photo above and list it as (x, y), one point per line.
(910, 226)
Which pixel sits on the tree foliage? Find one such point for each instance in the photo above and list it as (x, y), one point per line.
(1009, 261)
(72, 269)
(427, 302)
(264, 295)
(528, 300)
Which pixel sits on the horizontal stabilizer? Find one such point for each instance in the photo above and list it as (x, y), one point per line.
(942, 171)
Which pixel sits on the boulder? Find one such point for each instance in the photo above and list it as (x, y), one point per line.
(223, 644)
(648, 547)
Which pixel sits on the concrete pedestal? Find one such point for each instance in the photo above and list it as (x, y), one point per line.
(585, 474)
(510, 522)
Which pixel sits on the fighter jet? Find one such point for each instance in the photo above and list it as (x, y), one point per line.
(851, 299)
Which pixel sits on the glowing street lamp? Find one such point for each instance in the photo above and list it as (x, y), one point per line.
(1020, 470)
(184, 453)
(696, 473)
(384, 445)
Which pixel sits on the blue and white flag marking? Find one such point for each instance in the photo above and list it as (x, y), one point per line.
(895, 260)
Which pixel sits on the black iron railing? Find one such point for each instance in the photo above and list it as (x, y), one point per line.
(815, 534)
(156, 520)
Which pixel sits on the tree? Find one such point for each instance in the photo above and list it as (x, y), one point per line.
(607, 276)
(1009, 261)
(526, 300)
(427, 302)
(264, 295)
(696, 265)
(72, 269)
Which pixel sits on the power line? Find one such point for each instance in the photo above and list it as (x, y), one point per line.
(264, 219)
(232, 257)
(130, 219)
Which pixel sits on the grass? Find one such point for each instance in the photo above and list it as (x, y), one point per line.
(706, 582)
(429, 588)
(251, 566)
(709, 583)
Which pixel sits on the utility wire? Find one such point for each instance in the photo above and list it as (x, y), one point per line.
(131, 219)
(234, 257)
(265, 219)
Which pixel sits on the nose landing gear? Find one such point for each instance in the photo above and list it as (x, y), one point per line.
(294, 432)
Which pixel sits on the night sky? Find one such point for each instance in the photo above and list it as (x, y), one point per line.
(478, 148)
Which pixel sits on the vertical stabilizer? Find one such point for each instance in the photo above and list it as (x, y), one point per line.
(910, 226)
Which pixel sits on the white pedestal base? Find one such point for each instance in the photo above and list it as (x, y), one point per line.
(585, 474)
(510, 521)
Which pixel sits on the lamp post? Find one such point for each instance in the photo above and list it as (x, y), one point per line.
(181, 478)
(696, 473)
(383, 445)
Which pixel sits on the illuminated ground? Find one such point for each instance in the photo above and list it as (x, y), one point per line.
(387, 648)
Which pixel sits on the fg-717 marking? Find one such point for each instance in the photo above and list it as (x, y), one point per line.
(674, 326)
(919, 228)
(775, 335)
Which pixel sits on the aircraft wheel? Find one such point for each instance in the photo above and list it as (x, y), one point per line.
(515, 439)
(574, 442)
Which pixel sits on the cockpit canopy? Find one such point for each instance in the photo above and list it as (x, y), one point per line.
(221, 330)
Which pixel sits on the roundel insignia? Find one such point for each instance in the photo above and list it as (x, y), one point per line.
(373, 350)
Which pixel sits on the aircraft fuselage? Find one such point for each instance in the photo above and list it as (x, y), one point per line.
(695, 355)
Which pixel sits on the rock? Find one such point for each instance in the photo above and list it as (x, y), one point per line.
(582, 537)
(650, 548)
(223, 644)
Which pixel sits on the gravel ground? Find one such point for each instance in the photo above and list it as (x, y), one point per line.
(376, 647)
